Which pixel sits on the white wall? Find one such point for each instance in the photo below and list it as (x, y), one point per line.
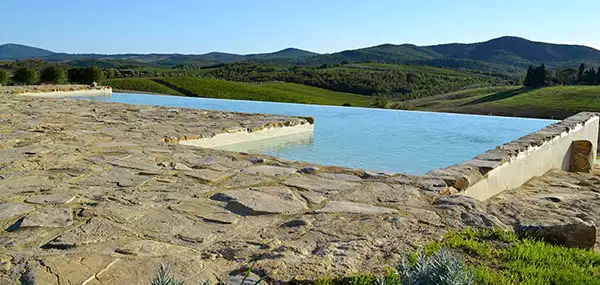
(553, 154)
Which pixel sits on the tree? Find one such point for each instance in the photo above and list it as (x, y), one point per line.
(86, 75)
(598, 76)
(529, 77)
(567, 76)
(538, 76)
(589, 77)
(25, 75)
(3, 77)
(52, 74)
(93, 74)
(580, 73)
(111, 73)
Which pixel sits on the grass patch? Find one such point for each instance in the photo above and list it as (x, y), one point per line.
(555, 102)
(500, 257)
(140, 84)
(274, 92)
(458, 98)
(575, 98)
(493, 257)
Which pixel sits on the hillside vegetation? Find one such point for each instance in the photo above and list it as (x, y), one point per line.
(141, 85)
(392, 81)
(555, 102)
(274, 92)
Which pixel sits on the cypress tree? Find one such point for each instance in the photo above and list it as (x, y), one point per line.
(529, 77)
(580, 73)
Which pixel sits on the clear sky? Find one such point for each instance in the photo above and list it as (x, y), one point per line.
(250, 26)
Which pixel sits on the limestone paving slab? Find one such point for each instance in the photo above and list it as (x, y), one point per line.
(137, 205)
(53, 199)
(9, 210)
(48, 218)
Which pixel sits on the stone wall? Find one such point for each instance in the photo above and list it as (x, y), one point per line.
(511, 165)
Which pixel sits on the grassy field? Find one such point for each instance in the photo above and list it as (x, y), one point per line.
(550, 102)
(274, 92)
(141, 85)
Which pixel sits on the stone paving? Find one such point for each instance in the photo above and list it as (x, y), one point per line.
(101, 193)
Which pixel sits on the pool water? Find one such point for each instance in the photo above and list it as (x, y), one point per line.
(373, 139)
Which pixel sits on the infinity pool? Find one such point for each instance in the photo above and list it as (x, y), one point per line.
(373, 139)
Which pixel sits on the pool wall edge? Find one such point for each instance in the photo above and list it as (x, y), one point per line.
(230, 138)
(511, 165)
(104, 91)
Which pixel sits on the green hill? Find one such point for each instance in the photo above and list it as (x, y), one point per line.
(555, 102)
(518, 52)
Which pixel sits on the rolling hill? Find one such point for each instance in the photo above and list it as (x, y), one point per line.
(519, 52)
(504, 54)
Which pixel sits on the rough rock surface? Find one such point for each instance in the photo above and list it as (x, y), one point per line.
(141, 200)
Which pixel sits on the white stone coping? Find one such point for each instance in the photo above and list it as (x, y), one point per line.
(224, 139)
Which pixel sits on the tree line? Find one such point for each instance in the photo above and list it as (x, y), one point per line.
(52, 74)
(541, 76)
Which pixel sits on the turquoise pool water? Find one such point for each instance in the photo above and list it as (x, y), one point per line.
(373, 139)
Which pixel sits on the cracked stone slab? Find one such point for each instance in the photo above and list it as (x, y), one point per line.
(321, 185)
(54, 199)
(206, 211)
(95, 231)
(257, 201)
(208, 175)
(48, 218)
(340, 176)
(136, 163)
(354, 208)
(269, 170)
(9, 210)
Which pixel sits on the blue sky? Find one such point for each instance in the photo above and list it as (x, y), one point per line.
(250, 26)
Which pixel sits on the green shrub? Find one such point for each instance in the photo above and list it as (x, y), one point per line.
(164, 277)
(26, 75)
(441, 268)
(85, 75)
(3, 77)
(52, 74)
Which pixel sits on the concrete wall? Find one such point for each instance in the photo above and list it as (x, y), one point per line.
(512, 164)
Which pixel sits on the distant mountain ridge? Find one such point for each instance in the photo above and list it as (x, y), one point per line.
(505, 54)
(16, 51)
